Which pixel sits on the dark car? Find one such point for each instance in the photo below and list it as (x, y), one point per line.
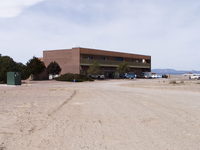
(165, 76)
(130, 75)
(146, 75)
(99, 76)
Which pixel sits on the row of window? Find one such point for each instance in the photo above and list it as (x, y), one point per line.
(115, 59)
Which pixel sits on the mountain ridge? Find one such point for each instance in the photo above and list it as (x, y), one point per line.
(174, 71)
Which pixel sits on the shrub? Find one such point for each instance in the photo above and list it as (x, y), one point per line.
(53, 68)
(35, 66)
(7, 64)
(23, 70)
(73, 77)
(176, 82)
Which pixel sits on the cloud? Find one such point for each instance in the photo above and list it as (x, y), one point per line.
(10, 8)
(166, 30)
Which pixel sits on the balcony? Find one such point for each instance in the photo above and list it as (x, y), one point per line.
(109, 63)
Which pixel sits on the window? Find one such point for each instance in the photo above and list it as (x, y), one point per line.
(119, 59)
(90, 57)
(104, 58)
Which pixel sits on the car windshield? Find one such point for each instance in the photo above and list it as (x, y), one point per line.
(131, 73)
(147, 73)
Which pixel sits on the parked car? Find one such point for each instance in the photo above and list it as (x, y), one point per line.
(165, 76)
(142, 75)
(155, 76)
(195, 76)
(130, 75)
(149, 75)
(99, 76)
(146, 75)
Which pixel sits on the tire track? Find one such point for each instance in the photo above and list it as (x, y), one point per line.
(64, 103)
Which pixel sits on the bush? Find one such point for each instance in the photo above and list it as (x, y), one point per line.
(176, 82)
(53, 68)
(7, 64)
(23, 70)
(35, 66)
(73, 77)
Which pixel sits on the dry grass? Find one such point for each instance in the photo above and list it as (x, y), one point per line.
(176, 82)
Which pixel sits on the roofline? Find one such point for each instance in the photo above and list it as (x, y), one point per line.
(110, 51)
(56, 50)
(82, 48)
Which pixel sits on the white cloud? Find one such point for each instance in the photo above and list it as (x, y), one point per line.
(12, 8)
(169, 33)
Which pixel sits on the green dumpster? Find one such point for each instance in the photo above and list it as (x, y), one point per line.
(13, 78)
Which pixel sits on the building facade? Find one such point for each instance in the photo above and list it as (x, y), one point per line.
(78, 60)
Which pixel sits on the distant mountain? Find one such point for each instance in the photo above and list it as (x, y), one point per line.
(173, 71)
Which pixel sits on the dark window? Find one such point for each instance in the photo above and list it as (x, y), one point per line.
(104, 58)
(84, 57)
(119, 59)
(133, 60)
(148, 61)
(90, 57)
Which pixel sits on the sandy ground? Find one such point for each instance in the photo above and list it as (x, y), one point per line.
(113, 115)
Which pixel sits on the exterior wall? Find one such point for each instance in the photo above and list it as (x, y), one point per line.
(68, 59)
(110, 53)
(73, 61)
(109, 63)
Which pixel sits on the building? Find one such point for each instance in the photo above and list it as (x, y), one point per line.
(77, 60)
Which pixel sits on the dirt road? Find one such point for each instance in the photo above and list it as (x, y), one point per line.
(100, 115)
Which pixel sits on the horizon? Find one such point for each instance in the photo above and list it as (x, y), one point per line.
(151, 68)
(167, 31)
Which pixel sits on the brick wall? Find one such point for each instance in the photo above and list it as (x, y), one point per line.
(68, 59)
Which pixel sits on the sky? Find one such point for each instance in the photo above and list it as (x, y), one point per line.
(168, 30)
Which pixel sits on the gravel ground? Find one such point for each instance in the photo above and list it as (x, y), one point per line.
(114, 115)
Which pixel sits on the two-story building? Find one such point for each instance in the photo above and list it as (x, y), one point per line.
(78, 60)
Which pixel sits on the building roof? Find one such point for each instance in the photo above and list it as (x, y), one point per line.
(106, 53)
(111, 53)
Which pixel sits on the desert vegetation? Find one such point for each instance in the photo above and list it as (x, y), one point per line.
(73, 78)
(33, 67)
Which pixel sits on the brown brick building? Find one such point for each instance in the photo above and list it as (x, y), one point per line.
(78, 60)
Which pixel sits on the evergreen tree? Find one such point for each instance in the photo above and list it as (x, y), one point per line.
(35, 66)
(7, 64)
(53, 68)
